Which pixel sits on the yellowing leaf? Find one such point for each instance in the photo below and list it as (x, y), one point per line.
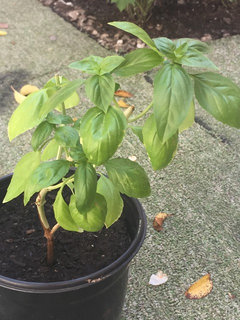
(123, 104)
(122, 93)
(27, 89)
(200, 288)
(3, 33)
(159, 219)
(18, 96)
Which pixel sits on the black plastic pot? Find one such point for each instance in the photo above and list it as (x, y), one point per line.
(98, 296)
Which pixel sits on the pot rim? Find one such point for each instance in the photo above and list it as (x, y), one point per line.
(92, 278)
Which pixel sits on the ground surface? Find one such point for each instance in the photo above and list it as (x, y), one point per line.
(202, 19)
(201, 186)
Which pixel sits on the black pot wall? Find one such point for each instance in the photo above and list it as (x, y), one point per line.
(99, 296)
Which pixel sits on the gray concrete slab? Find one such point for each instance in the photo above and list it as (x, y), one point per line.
(200, 188)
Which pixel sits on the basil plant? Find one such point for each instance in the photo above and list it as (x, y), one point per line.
(61, 142)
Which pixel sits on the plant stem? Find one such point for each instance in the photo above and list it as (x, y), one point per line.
(142, 113)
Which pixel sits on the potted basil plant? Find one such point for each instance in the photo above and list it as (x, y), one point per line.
(69, 155)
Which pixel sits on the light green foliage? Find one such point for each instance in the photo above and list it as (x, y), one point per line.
(122, 4)
(92, 140)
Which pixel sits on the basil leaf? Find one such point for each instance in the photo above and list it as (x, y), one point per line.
(138, 61)
(24, 168)
(54, 118)
(50, 151)
(106, 188)
(193, 44)
(94, 219)
(219, 96)
(89, 65)
(165, 46)
(45, 175)
(66, 136)
(41, 133)
(101, 133)
(173, 93)
(129, 177)
(189, 120)
(85, 185)
(137, 130)
(110, 63)
(194, 58)
(160, 154)
(100, 90)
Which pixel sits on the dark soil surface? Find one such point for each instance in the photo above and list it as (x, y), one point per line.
(23, 247)
(202, 19)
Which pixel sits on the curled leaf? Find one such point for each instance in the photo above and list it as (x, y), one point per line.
(27, 89)
(159, 219)
(157, 279)
(123, 93)
(201, 288)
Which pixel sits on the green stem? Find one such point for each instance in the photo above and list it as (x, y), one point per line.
(142, 113)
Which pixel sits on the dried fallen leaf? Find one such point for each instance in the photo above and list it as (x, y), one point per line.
(123, 104)
(159, 219)
(200, 288)
(157, 279)
(27, 89)
(18, 96)
(3, 33)
(3, 25)
(123, 94)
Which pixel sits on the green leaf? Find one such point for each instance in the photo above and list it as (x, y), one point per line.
(61, 95)
(110, 63)
(55, 118)
(189, 120)
(106, 188)
(85, 185)
(160, 154)
(138, 61)
(70, 102)
(28, 114)
(122, 4)
(165, 46)
(101, 133)
(173, 93)
(45, 175)
(193, 44)
(62, 214)
(41, 133)
(50, 151)
(219, 96)
(28, 163)
(89, 65)
(66, 136)
(129, 177)
(100, 90)
(134, 30)
(94, 219)
(180, 51)
(194, 58)
(77, 154)
(137, 130)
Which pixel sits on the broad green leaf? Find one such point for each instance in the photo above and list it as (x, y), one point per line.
(137, 130)
(56, 118)
(129, 177)
(28, 163)
(101, 133)
(66, 136)
(41, 133)
(77, 124)
(189, 120)
(100, 90)
(193, 44)
(77, 154)
(110, 63)
(219, 96)
(70, 102)
(61, 95)
(194, 58)
(165, 46)
(106, 188)
(134, 30)
(173, 93)
(94, 219)
(181, 50)
(50, 151)
(85, 185)
(122, 4)
(160, 154)
(45, 175)
(138, 61)
(28, 114)
(89, 64)
(62, 214)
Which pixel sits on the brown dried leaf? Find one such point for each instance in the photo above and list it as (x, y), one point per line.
(159, 219)
(200, 288)
(123, 94)
(27, 89)
(3, 25)
(123, 104)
